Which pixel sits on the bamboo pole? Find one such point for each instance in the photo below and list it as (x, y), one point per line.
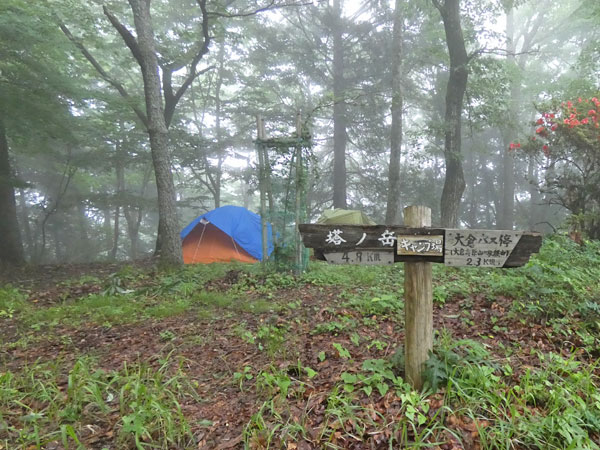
(418, 295)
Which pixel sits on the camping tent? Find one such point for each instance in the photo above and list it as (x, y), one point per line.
(224, 234)
(344, 217)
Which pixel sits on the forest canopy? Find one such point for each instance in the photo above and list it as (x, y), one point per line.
(122, 121)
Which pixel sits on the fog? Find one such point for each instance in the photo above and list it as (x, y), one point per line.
(113, 116)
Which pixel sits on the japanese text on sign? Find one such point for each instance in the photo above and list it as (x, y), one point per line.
(334, 237)
(364, 257)
(420, 245)
(479, 248)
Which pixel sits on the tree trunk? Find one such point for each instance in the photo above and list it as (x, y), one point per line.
(535, 197)
(84, 249)
(107, 230)
(24, 221)
(168, 243)
(11, 247)
(216, 182)
(392, 215)
(61, 254)
(472, 213)
(120, 154)
(339, 111)
(454, 183)
(507, 214)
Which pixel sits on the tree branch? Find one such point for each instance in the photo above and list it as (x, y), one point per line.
(103, 74)
(125, 34)
(438, 5)
(269, 7)
(171, 98)
(498, 51)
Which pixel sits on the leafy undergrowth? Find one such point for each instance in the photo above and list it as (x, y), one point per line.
(239, 356)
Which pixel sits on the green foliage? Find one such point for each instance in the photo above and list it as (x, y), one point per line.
(553, 408)
(321, 274)
(376, 301)
(449, 356)
(12, 302)
(35, 410)
(335, 326)
(342, 351)
(557, 282)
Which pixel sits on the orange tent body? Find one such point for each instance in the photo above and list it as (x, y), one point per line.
(208, 244)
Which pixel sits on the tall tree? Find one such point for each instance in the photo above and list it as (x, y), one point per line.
(161, 99)
(392, 215)
(144, 50)
(506, 217)
(11, 246)
(454, 183)
(34, 116)
(339, 109)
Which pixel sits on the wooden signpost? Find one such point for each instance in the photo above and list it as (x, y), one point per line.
(418, 245)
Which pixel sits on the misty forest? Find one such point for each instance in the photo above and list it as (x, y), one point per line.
(185, 186)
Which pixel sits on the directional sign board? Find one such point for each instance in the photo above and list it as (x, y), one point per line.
(355, 244)
(479, 248)
(379, 244)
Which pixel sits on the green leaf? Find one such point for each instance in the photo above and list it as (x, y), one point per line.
(348, 378)
(341, 350)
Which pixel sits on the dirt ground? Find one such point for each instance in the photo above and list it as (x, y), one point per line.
(212, 352)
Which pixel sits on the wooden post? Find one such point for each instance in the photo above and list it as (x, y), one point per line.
(260, 125)
(299, 195)
(418, 296)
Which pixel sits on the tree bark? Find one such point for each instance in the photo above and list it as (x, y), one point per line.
(507, 214)
(535, 198)
(107, 230)
(24, 222)
(11, 246)
(120, 189)
(168, 243)
(339, 111)
(454, 183)
(392, 215)
(216, 182)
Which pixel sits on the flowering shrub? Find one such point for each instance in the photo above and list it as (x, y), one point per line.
(568, 135)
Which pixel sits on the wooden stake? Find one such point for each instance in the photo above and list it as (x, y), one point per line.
(418, 296)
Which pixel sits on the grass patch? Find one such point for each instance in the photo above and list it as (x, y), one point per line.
(12, 303)
(140, 405)
(497, 389)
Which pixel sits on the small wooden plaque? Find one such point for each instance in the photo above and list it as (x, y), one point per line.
(479, 248)
(421, 245)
